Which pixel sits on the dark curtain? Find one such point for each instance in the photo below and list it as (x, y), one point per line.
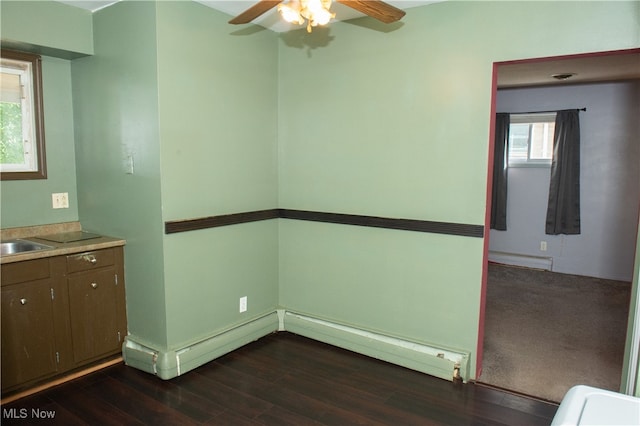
(563, 211)
(500, 169)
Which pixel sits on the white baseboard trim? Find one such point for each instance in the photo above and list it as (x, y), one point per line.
(169, 364)
(441, 362)
(527, 261)
(446, 363)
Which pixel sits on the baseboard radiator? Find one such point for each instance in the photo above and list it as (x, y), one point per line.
(169, 364)
(440, 362)
(525, 260)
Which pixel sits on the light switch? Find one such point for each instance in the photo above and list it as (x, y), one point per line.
(60, 200)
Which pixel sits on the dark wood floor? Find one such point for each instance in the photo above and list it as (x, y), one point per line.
(282, 379)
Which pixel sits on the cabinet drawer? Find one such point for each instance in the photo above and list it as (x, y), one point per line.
(29, 270)
(90, 260)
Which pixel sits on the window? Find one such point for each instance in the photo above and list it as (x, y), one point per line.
(531, 139)
(22, 153)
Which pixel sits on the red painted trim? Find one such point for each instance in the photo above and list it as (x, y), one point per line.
(487, 219)
(574, 56)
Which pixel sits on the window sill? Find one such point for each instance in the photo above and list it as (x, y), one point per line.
(530, 165)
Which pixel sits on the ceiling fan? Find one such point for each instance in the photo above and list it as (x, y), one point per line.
(316, 12)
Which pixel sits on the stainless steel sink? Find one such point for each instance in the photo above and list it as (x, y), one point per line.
(20, 246)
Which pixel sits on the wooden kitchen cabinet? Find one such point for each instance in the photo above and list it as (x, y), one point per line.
(60, 314)
(96, 303)
(27, 355)
(34, 321)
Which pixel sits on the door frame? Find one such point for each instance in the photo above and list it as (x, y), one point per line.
(630, 375)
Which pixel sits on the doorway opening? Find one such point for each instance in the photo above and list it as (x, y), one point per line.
(550, 352)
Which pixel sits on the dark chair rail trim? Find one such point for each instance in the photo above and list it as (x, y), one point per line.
(174, 226)
(465, 230)
(387, 223)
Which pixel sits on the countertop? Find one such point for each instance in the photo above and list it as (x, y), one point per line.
(57, 249)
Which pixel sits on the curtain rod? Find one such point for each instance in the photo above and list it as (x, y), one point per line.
(547, 112)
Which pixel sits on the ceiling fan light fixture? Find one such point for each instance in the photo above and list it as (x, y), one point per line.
(291, 12)
(315, 12)
(318, 12)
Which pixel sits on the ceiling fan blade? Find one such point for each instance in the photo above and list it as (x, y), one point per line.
(254, 11)
(376, 9)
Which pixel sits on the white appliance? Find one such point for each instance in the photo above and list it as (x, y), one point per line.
(585, 405)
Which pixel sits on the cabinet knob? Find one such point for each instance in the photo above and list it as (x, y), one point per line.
(23, 301)
(90, 258)
(94, 285)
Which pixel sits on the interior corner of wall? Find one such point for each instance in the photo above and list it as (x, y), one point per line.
(167, 364)
(281, 313)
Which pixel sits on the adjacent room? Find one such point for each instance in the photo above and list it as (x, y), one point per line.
(557, 303)
(333, 182)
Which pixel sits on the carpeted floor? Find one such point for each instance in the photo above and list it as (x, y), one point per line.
(546, 332)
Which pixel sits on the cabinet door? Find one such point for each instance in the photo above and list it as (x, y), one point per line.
(93, 310)
(28, 337)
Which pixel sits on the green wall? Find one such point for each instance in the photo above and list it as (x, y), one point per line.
(397, 124)
(52, 28)
(218, 122)
(174, 102)
(28, 202)
(57, 32)
(116, 117)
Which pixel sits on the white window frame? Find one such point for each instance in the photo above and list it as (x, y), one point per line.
(28, 68)
(532, 118)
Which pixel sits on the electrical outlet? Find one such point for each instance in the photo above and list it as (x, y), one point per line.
(243, 304)
(60, 200)
(543, 246)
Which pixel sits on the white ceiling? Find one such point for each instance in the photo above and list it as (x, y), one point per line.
(586, 69)
(269, 20)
